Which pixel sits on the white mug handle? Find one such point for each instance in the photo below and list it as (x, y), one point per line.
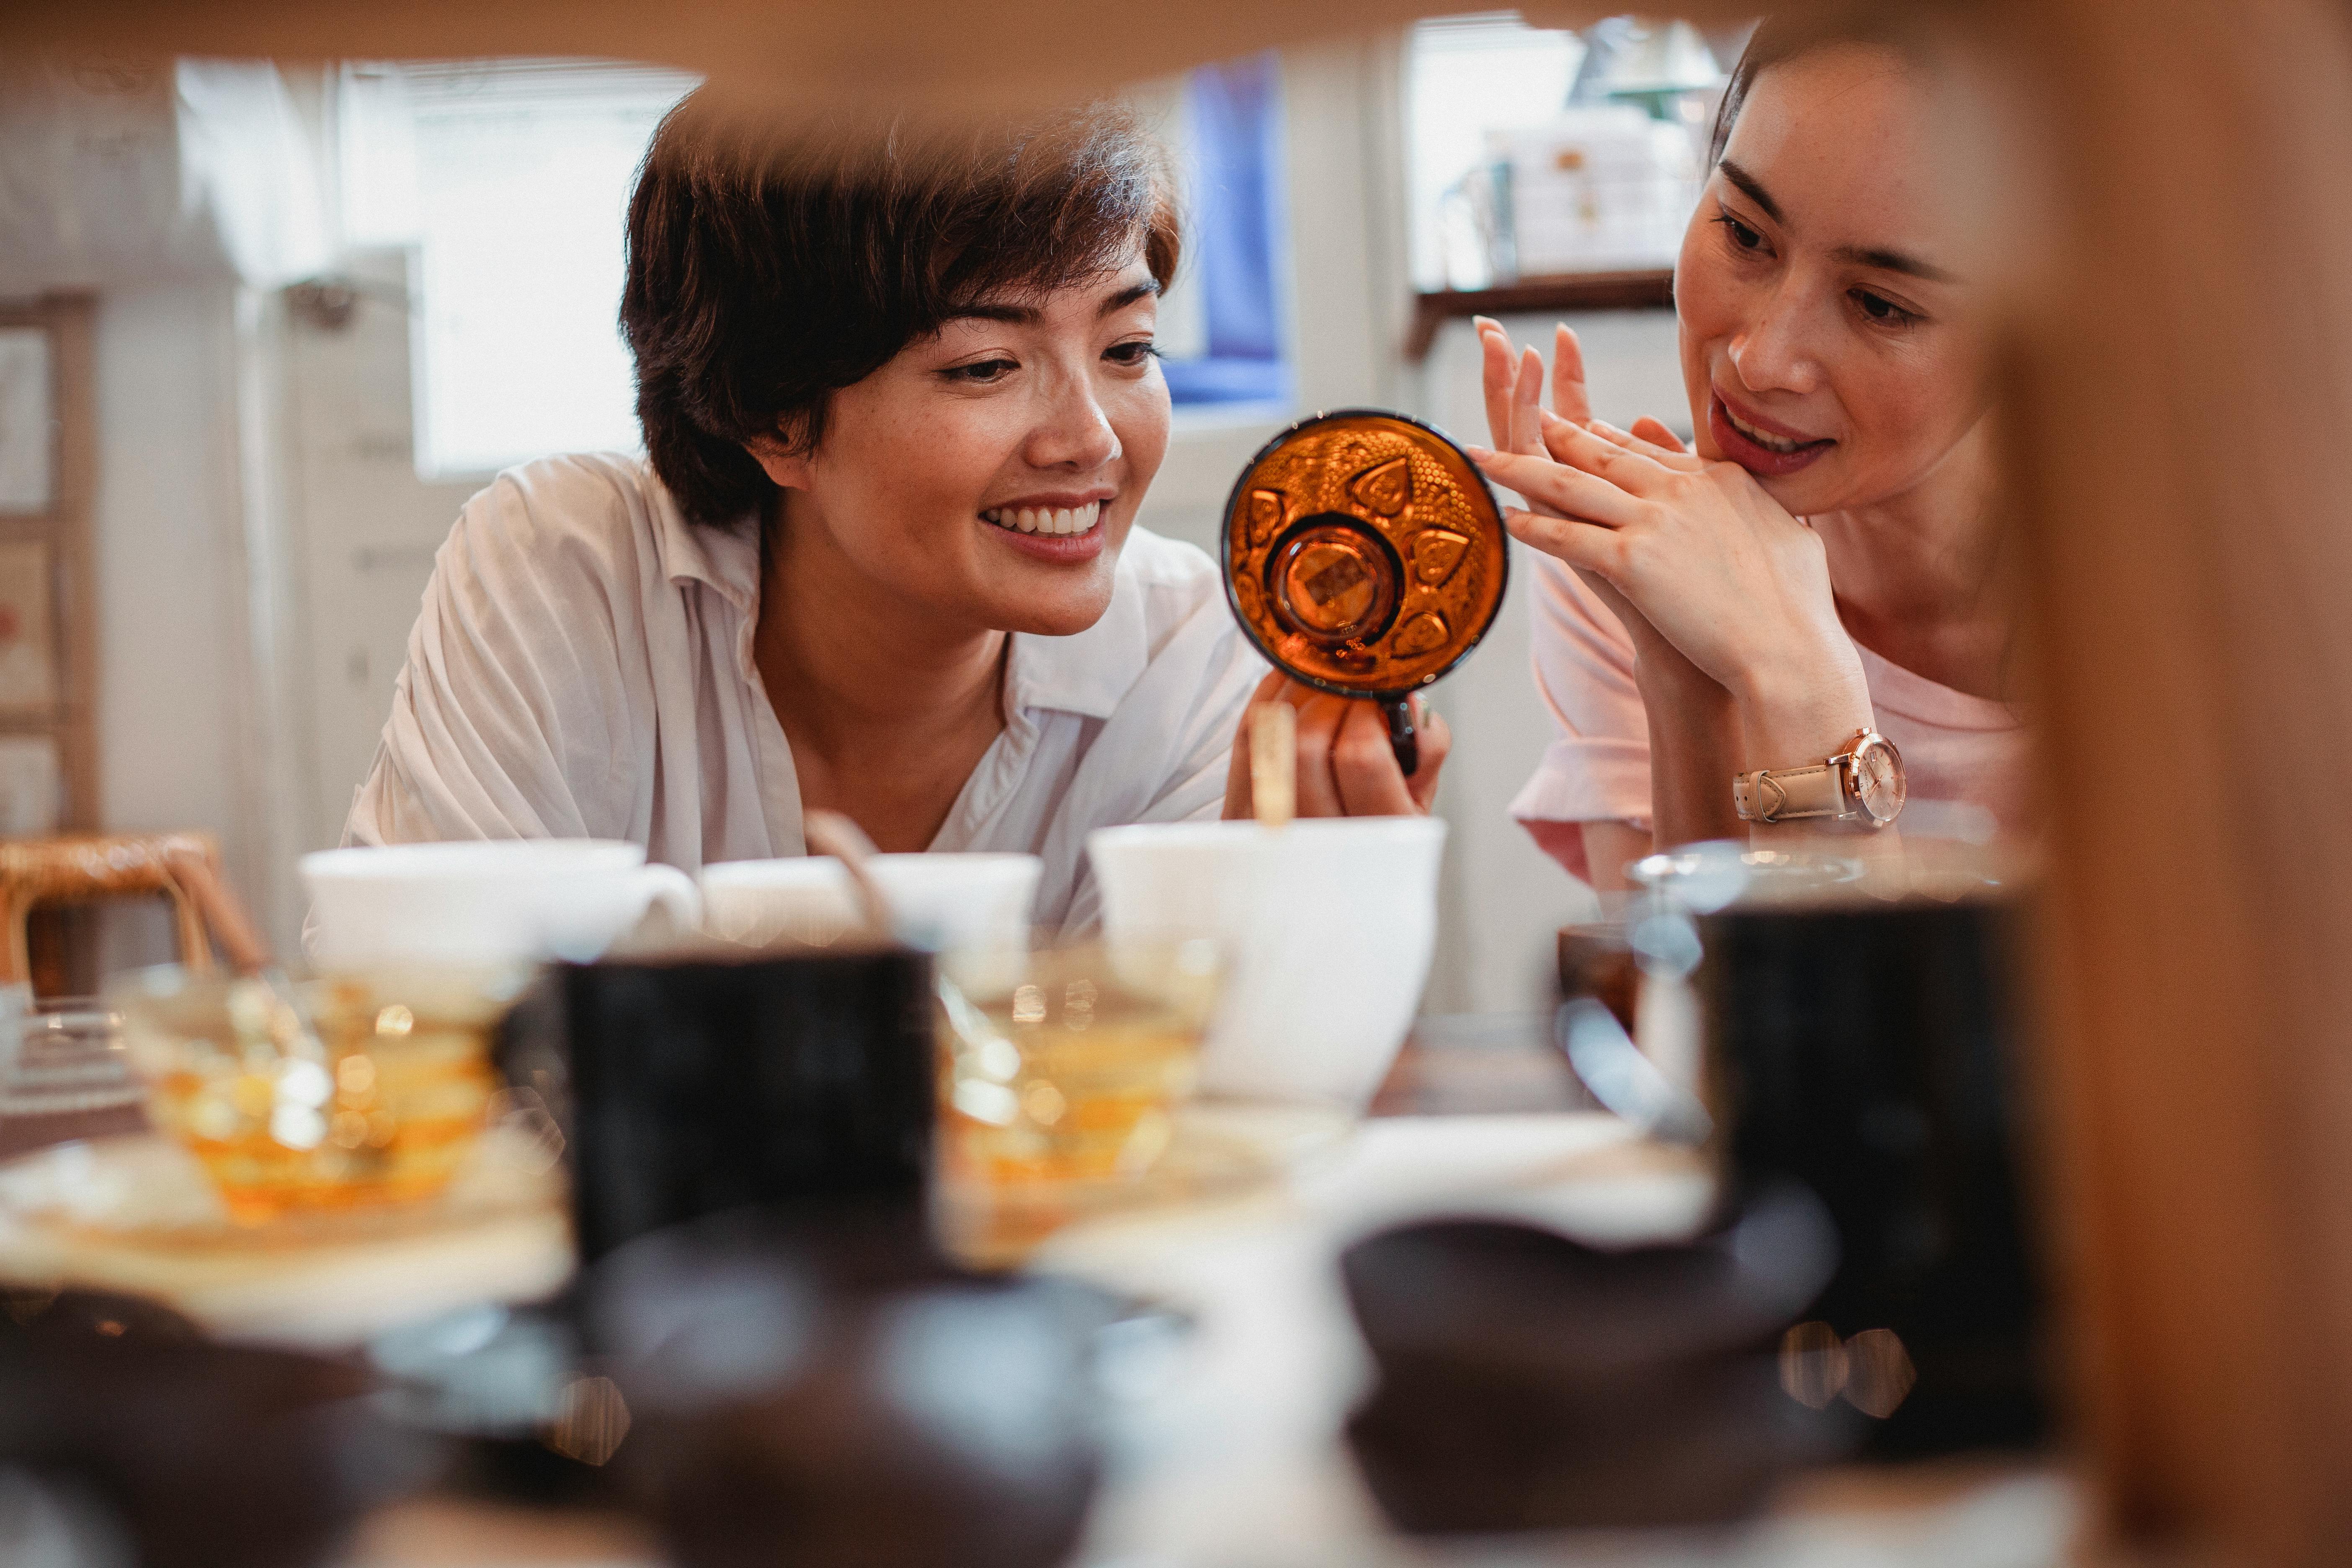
(674, 892)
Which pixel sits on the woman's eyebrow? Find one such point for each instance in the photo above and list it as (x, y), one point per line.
(1129, 296)
(1895, 261)
(1752, 188)
(1019, 315)
(1860, 255)
(1029, 315)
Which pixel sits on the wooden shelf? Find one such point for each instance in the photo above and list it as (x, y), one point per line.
(1647, 290)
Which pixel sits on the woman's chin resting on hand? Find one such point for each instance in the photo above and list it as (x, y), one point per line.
(1826, 559)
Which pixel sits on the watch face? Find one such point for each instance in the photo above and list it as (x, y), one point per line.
(1878, 778)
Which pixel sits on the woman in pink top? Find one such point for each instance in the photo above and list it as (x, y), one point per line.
(1829, 560)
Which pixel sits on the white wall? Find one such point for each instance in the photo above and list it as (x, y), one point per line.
(169, 527)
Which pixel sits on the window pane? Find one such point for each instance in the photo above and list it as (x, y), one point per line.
(516, 177)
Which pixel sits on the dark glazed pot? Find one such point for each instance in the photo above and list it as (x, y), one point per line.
(1529, 1381)
(131, 1427)
(696, 1089)
(824, 1393)
(1868, 1052)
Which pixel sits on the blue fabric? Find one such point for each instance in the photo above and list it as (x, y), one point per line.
(1235, 113)
(1228, 381)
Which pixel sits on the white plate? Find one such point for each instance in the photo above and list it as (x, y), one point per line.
(1223, 1152)
(137, 1214)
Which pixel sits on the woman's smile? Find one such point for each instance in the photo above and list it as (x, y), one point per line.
(1763, 447)
(1061, 529)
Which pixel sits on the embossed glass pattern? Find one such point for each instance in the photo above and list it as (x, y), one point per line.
(1364, 553)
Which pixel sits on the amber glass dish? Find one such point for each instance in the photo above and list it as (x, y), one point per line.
(378, 1102)
(1364, 553)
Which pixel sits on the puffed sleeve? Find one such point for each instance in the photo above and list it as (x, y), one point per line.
(1597, 768)
(513, 715)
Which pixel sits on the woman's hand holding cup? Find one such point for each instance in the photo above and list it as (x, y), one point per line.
(1345, 764)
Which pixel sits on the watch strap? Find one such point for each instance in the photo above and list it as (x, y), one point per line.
(1790, 795)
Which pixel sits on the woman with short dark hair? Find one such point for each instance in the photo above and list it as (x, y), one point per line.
(901, 403)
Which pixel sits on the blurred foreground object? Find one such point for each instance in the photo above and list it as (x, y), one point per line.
(1330, 923)
(2189, 597)
(187, 1453)
(821, 1392)
(351, 1090)
(488, 901)
(818, 60)
(1862, 1037)
(696, 1088)
(1529, 1381)
(1067, 1064)
(64, 1074)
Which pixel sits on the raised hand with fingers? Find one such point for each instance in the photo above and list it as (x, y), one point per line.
(1519, 423)
(1708, 561)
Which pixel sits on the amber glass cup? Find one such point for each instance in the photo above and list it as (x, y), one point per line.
(1066, 1063)
(346, 1091)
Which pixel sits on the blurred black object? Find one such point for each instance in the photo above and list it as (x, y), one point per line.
(489, 1383)
(1529, 1381)
(694, 1089)
(1866, 1051)
(134, 1430)
(823, 1390)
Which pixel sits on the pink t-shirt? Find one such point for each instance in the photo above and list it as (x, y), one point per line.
(1965, 757)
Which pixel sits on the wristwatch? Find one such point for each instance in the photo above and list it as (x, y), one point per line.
(1863, 786)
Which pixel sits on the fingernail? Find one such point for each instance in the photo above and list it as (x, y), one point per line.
(1608, 429)
(1479, 454)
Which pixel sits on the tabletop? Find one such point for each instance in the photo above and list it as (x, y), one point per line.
(1236, 1457)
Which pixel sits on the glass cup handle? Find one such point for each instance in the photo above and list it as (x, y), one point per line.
(1622, 1079)
(1402, 739)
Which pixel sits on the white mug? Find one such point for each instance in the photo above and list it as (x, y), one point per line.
(942, 901)
(486, 900)
(1329, 924)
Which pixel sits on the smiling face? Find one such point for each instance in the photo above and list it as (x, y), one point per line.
(989, 474)
(1829, 341)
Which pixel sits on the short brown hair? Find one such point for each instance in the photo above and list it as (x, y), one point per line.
(766, 272)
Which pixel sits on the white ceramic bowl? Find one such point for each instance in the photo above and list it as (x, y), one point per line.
(1328, 924)
(486, 902)
(941, 901)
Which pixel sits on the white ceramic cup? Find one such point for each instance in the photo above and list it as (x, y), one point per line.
(944, 901)
(488, 901)
(1328, 925)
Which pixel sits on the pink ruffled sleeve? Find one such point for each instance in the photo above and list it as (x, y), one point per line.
(1597, 768)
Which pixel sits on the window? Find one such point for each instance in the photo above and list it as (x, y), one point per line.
(1222, 334)
(511, 180)
(1538, 152)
